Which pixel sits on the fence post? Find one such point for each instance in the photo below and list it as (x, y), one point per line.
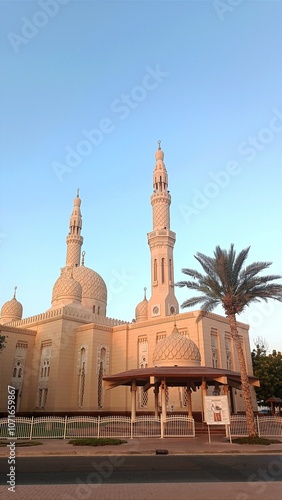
(131, 428)
(162, 426)
(258, 426)
(98, 426)
(31, 428)
(65, 427)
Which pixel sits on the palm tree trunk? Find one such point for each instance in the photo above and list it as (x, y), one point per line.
(244, 377)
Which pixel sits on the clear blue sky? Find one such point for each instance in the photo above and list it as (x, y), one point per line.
(204, 79)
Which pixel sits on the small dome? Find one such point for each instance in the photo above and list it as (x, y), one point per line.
(141, 311)
(159, 154)
(176, 349)
(11, 310)
(69, 288)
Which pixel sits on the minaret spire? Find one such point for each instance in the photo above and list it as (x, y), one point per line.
(74, 239)
(161, 241)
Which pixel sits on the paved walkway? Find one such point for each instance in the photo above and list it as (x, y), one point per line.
(165, 491)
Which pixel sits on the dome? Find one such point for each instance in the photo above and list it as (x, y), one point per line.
(159, 154)
(93, 288)
(11, 310)
(69, 288)
(176, 349)
(141, 311)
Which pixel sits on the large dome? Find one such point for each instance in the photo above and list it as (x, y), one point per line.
(93, 288)
(176, 349)
(91, 282)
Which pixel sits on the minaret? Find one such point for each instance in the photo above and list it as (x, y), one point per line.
(74, 240)
(161, 241)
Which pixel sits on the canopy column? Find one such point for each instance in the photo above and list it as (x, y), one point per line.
(133, 400)
(156, 394)
(204, 388)
(163, 399)
(189, 401)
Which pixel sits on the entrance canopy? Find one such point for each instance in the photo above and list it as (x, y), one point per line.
(177, 376)
(161, 377)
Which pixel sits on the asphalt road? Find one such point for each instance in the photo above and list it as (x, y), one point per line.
(144, 469)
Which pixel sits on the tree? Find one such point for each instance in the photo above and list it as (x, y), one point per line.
(268, 368)
(228, 283)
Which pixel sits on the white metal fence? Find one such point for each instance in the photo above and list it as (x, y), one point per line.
(123, 427)
(270, 426)
(84, 427)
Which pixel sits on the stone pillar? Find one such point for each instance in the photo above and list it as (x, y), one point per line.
(204, 393)
(133, 400)
(163, 391)
(225, 390)
(189, 402)
(156, 393)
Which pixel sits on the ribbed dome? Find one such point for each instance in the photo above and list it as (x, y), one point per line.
(69, 288)
(11, 310)
(93, 286)
(87, 284)
(141, 311)
(176, 349)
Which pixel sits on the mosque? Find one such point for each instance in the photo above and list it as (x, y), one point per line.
(74, 359)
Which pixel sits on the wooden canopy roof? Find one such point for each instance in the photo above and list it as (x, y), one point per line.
(177, 376)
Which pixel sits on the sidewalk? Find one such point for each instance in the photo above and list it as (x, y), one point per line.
(144, 446)
(248, 490)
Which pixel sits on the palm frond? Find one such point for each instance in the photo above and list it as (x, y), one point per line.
(228, 283)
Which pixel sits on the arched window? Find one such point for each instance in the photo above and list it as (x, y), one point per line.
(155, 270)
(163, 270)
(170, 270)
(81, 384)
(103, 353)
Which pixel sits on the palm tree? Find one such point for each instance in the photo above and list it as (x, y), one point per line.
(235, 287)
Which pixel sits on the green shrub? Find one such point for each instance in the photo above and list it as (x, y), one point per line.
(96, 441)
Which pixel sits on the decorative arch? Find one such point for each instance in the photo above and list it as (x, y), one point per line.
(81, 372)
(103, 362)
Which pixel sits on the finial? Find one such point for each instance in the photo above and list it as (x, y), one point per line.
(77, 193)
(82, 260)
(159, 143)
(15, 290)
(145, 289)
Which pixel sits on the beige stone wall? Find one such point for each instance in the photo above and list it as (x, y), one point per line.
(7, 357)
(67, 335)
